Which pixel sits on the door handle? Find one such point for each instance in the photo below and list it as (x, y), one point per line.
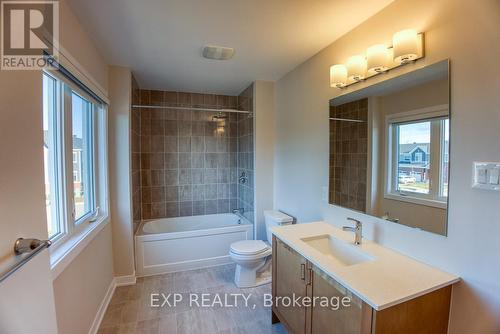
(303, 271)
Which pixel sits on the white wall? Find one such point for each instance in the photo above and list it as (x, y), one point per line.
(264, 113)
(120, 90)
(468, 33)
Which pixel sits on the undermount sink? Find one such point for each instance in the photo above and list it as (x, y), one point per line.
(347, 254)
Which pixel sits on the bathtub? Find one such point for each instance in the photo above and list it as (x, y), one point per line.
(185, 243)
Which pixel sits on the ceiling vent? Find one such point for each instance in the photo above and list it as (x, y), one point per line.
(217, 52)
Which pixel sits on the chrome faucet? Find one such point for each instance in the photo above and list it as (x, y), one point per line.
(358, 230)
(239, 211)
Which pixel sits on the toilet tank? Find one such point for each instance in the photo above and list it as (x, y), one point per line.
(275, 218)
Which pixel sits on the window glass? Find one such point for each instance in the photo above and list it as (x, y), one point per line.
(414, 163)
(49, 155)
(82, 156)
(445, 159)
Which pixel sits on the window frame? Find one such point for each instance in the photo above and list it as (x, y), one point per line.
(70, 228)
(56, 158)
(434, 115)
(70, 90)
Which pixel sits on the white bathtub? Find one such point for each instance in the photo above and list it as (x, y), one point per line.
(185, 243)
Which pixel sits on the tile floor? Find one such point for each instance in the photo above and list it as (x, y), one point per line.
(130, 309)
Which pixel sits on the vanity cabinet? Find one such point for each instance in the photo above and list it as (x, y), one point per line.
(353, 317)
(293, 276)
(290, 272)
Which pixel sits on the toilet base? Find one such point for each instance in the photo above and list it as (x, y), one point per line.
(248, 278)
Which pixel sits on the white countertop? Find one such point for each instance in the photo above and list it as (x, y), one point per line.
(389, 279)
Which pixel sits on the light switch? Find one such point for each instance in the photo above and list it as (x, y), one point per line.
(481, 173)
(494, 175)
(486, 175)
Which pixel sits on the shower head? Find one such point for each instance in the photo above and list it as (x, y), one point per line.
(219, 117)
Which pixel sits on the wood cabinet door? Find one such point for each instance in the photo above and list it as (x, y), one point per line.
(289, 281)
(352, 319)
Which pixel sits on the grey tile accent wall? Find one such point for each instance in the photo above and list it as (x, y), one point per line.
(188, 160)
(135, 133)
(348, 155)
(246, 153)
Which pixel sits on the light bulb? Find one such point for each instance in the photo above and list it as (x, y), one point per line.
(338, 76)
(377, 58)
(405, 44)
(356, 68)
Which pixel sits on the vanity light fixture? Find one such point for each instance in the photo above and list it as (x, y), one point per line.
(356, 68)
(408, 46)
(338, 76)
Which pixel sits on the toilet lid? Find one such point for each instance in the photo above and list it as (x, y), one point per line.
(249, 247)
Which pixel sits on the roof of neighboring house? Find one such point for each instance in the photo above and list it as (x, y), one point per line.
(77, 142)
(409, 148)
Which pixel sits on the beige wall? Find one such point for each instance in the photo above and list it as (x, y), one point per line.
(22, 203)
(81, 287)
(468, 33)
(264, 111)
(79, 44)
(120, 90)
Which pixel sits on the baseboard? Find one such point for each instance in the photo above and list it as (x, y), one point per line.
(125, 280)
(184, 266)
(115, 282)
(103, 307)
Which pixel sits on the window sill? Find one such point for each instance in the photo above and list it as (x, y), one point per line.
(64, 253)
(418, 201)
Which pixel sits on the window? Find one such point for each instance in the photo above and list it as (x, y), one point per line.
(82, 133)
(50, 154)
(418, 151)
(74, 156)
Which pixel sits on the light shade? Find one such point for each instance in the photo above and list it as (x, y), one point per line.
(356, 68)
(377, 58)
(405, 44)
(338, 76)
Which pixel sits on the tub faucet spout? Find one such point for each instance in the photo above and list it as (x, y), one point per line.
(239, 211)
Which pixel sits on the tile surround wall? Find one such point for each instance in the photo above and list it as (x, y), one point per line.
(246, 153)
(135, 137)
(348, 155)
(188, 162)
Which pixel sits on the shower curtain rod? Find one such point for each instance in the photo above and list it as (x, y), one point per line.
(346, 120)
(192, 108)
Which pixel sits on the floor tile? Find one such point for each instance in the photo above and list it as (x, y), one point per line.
(130, 309)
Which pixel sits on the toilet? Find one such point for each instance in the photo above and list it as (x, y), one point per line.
(253, 257)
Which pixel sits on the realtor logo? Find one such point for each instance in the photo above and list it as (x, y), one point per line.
(29, 34)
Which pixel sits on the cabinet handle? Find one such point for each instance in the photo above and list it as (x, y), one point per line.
(310, 278)
(303, 271)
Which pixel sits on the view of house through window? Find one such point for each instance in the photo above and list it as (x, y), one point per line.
(82, 156)
(414, 145)
(418, 146)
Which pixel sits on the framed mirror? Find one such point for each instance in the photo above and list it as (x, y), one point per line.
(389, 149)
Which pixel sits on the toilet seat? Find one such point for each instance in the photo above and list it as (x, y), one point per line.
(249, 248)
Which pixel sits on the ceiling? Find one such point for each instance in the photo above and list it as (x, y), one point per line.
(161, 40)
